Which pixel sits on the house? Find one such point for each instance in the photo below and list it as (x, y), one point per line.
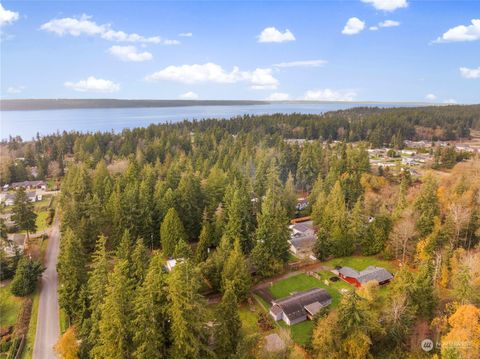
(302, 238)
(300, 306)
(9, 198)
(350, 275)
(29, 185)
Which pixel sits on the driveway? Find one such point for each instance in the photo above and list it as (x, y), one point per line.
(48, 324)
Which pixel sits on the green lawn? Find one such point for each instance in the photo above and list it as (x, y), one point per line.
(300, 332)
(361, 262)
(293, 284)
(9, 306)
(249, 320)
(41, 220)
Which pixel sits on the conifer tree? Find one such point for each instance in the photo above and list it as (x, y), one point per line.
(182, 250)
(187, 313)
(190, 200)
(23, 214)
(271, 249)
(427, 206)
(236, 273)
(151, 313)
(227, 333)
(290, 196)
(71, 274)
(171, 232)
(125, 247)
(96, 288)
(205, 240)
(116, 331)
(140, 261)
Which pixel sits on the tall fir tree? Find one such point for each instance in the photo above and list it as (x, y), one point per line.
(236, 273)
(427, 206)
(23, 213)
(171, 232)
(116, 331)
(187, 313)
(227, 330)
(151, 313)
(71, 274)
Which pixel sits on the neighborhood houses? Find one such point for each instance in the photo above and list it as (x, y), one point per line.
(300, 306)
(302, 237)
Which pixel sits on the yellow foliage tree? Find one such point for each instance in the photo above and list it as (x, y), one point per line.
(463, 339)
(67, 346)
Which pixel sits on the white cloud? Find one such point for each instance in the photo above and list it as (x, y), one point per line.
(171, 42)
(389, 23)
(129, 53)
(470, 73)
(373, 28)
(387, 5)
(329, 95)
(430, 97)
(15, 89)
(304, 63)
(353, 26)
(462, 33)
(84, 26)
(278, 96)
(271, 34)
(190, 95)
(210, 72)
(7, 17)
(450, 101)
(261, 79)
(185, 34)
(92, 84)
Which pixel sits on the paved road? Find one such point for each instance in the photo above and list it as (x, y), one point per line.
(48, 324)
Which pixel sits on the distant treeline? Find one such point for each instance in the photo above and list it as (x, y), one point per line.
(56, 104)
(380, 127)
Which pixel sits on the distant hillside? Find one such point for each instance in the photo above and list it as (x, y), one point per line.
(55, 104)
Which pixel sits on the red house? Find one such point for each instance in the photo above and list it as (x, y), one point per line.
(350, 275)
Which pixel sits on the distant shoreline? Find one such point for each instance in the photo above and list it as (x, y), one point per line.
(65, 104)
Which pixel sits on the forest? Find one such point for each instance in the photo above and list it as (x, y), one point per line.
(218, 195)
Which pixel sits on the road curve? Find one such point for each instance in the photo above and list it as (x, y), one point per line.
(48, 323)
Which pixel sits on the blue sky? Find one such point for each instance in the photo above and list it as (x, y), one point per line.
(378, 50)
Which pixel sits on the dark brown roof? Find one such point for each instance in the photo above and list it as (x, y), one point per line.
(294, 305)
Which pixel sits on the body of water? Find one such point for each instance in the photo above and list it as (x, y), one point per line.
(28, 123)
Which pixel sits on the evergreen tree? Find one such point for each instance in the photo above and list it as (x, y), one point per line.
(236, 273)
(227, 333)
(26, 277)
(322, 247)
(171, 232)
(272, 234)
(182, 250)
(140, 261)
(71, 274)
(116, 331)
(239, 222)
(427, 206)
(190, 199)
(22, 212)
(96, 289)
(205, 241)
(187, 313)
(290, 197)
(423, 291)
(125, 247)
(151, 313)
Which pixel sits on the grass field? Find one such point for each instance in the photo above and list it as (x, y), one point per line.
(9, 306)
(249, 320)
(360, 263)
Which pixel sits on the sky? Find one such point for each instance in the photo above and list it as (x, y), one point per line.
(358, 50)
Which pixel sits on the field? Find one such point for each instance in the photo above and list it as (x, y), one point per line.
(9, 306)
(360, 263)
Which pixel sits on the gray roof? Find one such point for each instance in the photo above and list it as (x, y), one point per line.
(27, 184)
(303, 241)
(294, 305)
(370, 273)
